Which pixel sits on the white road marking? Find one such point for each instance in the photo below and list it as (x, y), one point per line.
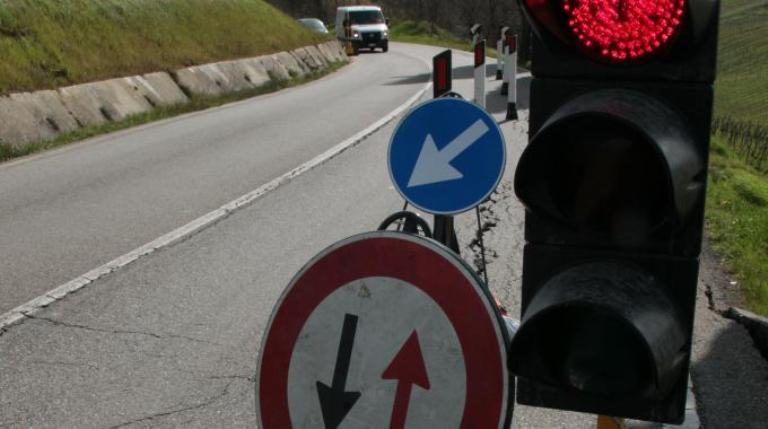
(31, 307)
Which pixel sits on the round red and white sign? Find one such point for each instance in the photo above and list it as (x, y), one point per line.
(384, 330)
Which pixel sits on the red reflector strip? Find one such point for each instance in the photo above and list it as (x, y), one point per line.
(442, 74)
(479, 54)
(512, 43)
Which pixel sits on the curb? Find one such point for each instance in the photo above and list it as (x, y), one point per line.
(30, 117)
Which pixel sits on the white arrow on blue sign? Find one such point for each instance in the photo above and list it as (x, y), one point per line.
(446, 156)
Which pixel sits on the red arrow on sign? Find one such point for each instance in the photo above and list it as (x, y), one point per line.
(408, 368)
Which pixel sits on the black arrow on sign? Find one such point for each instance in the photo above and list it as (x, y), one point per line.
(334, 401)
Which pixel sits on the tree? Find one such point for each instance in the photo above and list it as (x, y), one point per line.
(455, 16)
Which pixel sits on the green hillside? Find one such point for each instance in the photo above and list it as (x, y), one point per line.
(424, 33)
(742, 81)
(737, 201)
(49, 43)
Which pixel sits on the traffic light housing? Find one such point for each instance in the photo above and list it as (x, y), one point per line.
(688, 54)
(614, 180)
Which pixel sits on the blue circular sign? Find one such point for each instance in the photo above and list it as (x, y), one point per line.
(446, 156)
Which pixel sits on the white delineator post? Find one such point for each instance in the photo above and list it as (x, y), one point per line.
(505, 71)
(479, 49)
(476, 32)
(500, 54)
(511, 68)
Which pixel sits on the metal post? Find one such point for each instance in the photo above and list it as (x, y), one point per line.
(444, 232)
(442, 77)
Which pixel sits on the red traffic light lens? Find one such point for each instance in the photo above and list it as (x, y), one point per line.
(623, 30)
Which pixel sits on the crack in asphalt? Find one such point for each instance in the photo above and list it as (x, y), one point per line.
(164, 414)
(251, 379)
(711, 299)
(200, 373)
(489, 221)
(62, 363)
(117, 331)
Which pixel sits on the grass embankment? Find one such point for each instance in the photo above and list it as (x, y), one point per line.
(737, 201)
(52, 43)
(737, 221)
(197, 102)
(424, 33)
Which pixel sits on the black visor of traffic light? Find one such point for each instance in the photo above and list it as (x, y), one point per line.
(615, 163)
(601, 329)
(623, 32)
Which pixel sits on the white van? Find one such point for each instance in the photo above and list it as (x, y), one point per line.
(370, 30)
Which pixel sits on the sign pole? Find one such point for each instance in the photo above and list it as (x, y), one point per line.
(442, 80)
(479, 49)
(444, 232)
(511, 65)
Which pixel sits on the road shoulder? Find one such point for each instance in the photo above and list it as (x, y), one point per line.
(730, 377)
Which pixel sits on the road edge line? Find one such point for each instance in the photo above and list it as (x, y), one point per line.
(24, 311)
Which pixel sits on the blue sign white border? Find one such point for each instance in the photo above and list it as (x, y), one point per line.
(474, 204)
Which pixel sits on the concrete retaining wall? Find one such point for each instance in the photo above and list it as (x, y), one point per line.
(42, 115)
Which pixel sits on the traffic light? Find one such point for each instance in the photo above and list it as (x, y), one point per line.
(613, 180)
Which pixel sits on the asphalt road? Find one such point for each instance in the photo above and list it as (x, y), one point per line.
(68, 211)
(171, 340)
